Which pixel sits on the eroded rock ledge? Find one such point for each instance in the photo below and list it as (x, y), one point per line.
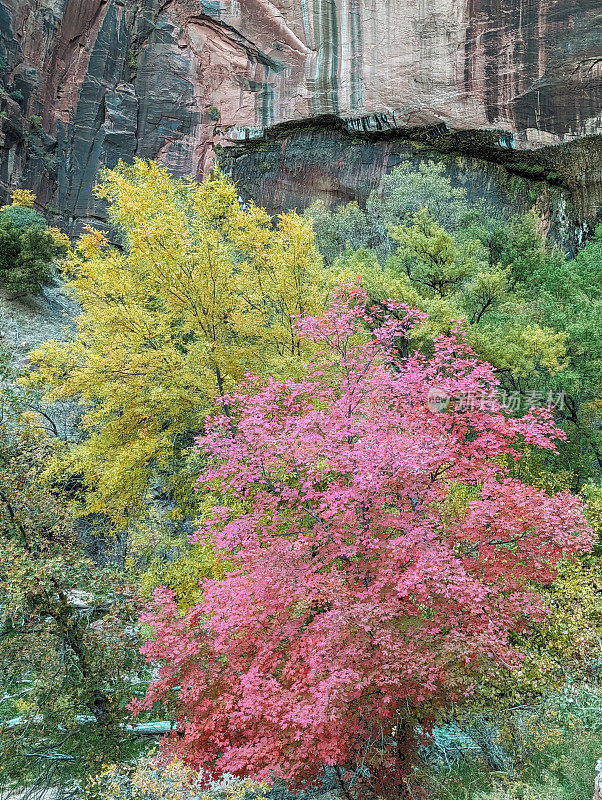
(293, 164)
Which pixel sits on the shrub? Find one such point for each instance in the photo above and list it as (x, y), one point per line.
(25, 256)
(153, 779)
(22, 217)
(60, 240)
(23, 198)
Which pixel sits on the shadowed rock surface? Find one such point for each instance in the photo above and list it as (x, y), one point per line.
(292, 168)
(87, 82)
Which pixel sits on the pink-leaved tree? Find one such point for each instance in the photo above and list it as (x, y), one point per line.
(382, 556)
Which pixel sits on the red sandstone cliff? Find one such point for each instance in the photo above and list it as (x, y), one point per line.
(171, 79)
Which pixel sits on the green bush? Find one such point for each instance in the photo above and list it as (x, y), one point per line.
(22, 217)
(25, 256)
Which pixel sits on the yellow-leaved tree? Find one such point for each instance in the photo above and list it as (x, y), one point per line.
(198, 291)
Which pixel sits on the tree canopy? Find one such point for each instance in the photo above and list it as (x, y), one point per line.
(198, 291)
(361, 590)
(394, 411)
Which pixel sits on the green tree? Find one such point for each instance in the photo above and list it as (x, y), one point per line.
(404, 191)
(454, 280)
(567, 296)
(528, 309)
(68, 640)
(25, 256)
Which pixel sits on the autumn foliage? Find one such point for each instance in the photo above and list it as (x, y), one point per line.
(201, 291)
(383, 556)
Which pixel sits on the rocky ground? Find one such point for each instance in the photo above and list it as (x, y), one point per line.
(26, 322)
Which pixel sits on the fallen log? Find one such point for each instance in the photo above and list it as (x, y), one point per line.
(138, 729)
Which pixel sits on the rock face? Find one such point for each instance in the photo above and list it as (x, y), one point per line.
(291, 169)
(87, 82)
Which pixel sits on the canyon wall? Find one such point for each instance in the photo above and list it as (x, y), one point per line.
(511, 83)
